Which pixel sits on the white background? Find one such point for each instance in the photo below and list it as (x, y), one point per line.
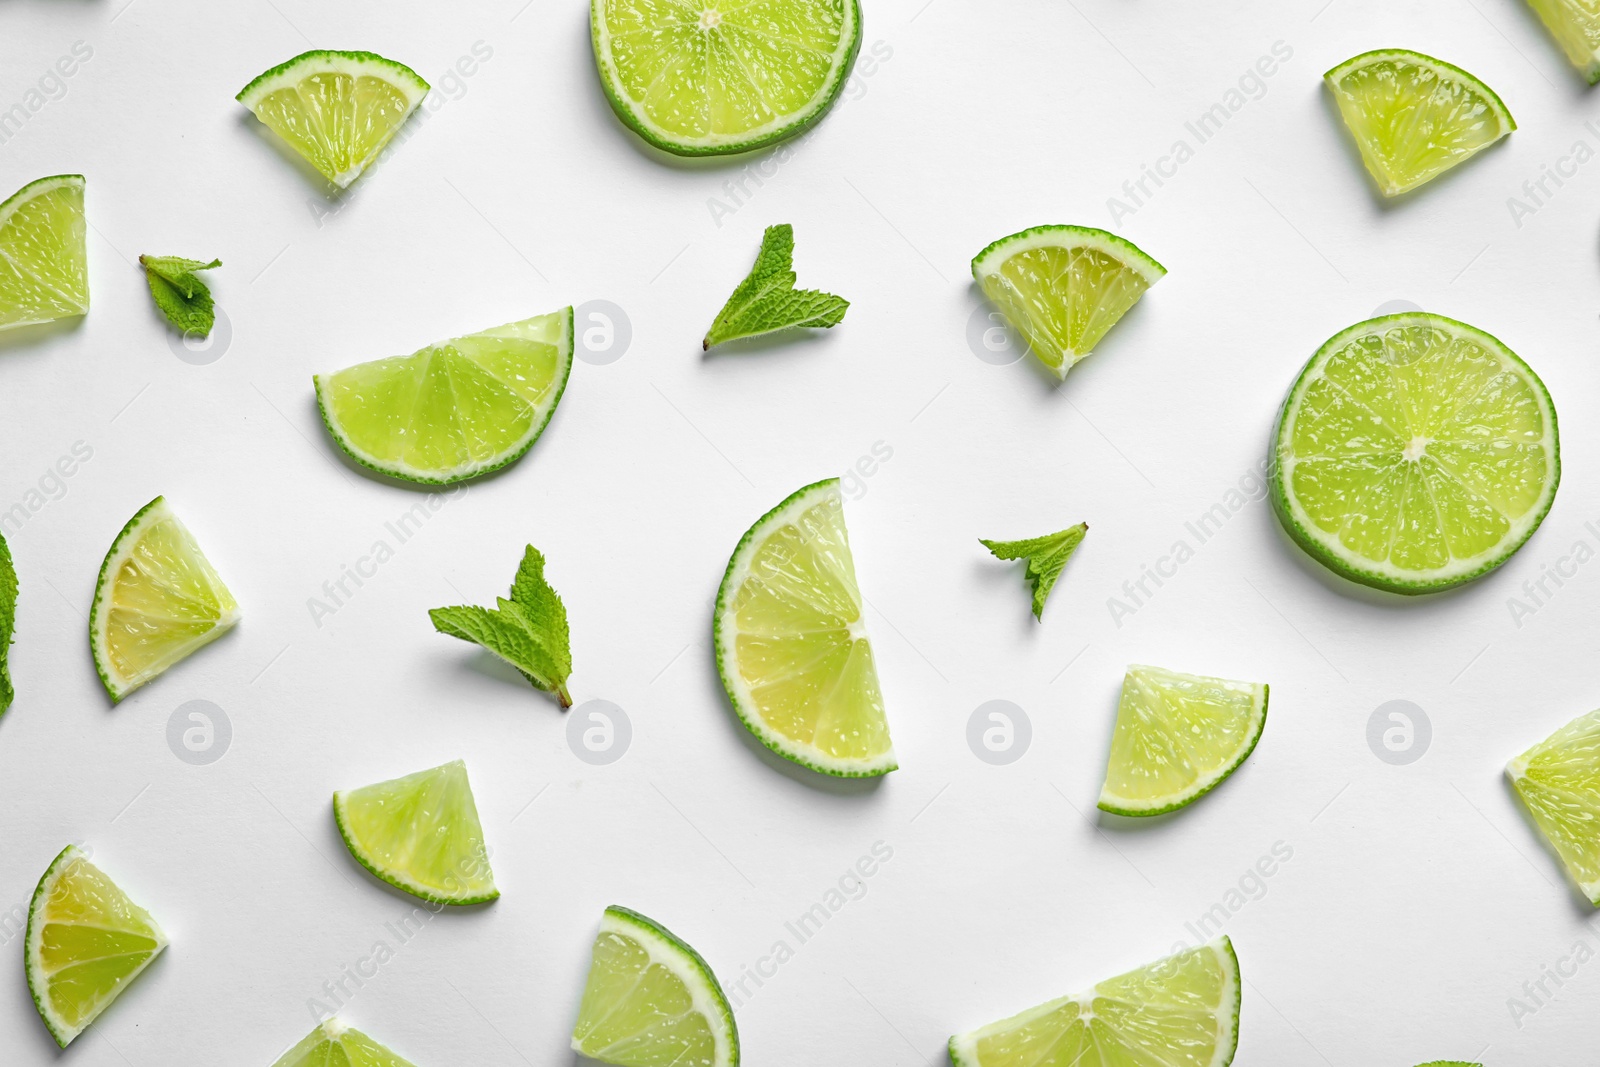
(1418, 899)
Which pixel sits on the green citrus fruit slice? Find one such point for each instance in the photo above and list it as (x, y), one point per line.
(1559, 781)
(333, 1044)
(44, 258)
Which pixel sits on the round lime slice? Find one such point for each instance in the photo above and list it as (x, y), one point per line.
(710, 77)
(1575, 25)
(791, 642)
(1414, 117)
(333, 1044)
(1559, 781)
(44, 259)
(651, 1001)
(1414, 453)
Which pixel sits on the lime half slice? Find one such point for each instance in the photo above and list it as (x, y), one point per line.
(1178, 736)
(158, 600)
(791, 642)
(719, 76)
(651, 1001)
(1414, 453)
(420, 833)
(337, 109)
(333, 1044)
(1559, 780)
(44, 258)
(1182, 1011)
(1063, 287)
(1414, 117)
(454, 410)
(1575, 24)
(86, 942)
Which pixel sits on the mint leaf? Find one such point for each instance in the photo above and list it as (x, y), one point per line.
(182, 297)
(529, 631)
(1045, 555)
(767, 301)
(8, 621)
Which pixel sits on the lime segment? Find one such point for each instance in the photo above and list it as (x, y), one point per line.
(1575, 24)
(332, 1044)
(44, 260)
(1559, 781)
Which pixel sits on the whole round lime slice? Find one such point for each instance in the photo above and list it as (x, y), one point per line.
(44, 260)
(1559, 781)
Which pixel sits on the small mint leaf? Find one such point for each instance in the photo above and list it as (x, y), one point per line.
(529, 631)
(1046, 557)
(180, 295)
(767, 301)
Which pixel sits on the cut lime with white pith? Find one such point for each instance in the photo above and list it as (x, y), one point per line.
(707, 77)
(1414, 453)
(158, 600)
(1063, 287)
(1575, 24)
(333, 1044)
(86, 942)
(337, 109)
(420, 833)
(1182, 1011)
(792, 644)
(453, 410)
(651, 1001)
(1414, 117)
(44, 259)
(1559, 781)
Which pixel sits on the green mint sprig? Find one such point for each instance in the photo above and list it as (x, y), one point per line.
(182, 297)
(767, 301)
(1046, 557)
(529, 631)
(8, 621)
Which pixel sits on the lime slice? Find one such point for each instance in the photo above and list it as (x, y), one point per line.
(1414, 117)
(1414, 453)
(1575, 24)
(651, 1001)
(1182, 1011)
(710, 77)
(332, 1044)
(44, 258)
(1559, 780)
(158, 600)
(1178, 736)
(337, 109)
(420, 833)
(86, 942)
(792, 646)
(1063, 287)
(453, 410)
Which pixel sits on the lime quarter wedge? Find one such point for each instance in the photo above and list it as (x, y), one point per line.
(1182, 1011)
(44, 258)
(333, 1044)
(1063, 287)
(723, 76)
(1414, 453)
(1414, 117)
(86, 943)
(453, 410)
(1575, 24)
(651, 1001)
(1559, 781)
(792, 645)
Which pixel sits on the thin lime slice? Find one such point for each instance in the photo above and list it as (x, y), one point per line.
(1559, 780)
(791, 642)
(1182, 1011)
(8, 623)
(1414, 117)
(158, 600)
(1178, 736)
(651, 1001)
(1414, 453)
(86, 942)
(420, 833)
(333, 1044)
(44, 257)
(453, 410)
(337, 109)
(710, 77)
(1575, 24)
(1064, 287)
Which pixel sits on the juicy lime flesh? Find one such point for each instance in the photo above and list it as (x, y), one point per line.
(719, 69)
(637, 1011)
(43, 259)
(421, 832)
(1559, 781)
(1063, 298)
(1576, 26)
(801, 645)
(1415, 446)
(332, 1045)
(1176, 734)
(339, 121)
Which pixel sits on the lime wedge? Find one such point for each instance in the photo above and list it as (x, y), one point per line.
(720, 76)
(1414, 117)
(158, 600)
(792, 645)
(1414, 453)
(420, 833)
(1064, 287)
(332, 1044)
(1178, 736)
(1575, 24)
(1559, 780)
(86, 942)
(651, 1001)
(44, 258)
(453, 410)
(1182, 1011)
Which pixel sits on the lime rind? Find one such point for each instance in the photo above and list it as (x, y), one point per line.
(1576, 28)
(66, 302)
(1558, 781)
(331, 1036)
